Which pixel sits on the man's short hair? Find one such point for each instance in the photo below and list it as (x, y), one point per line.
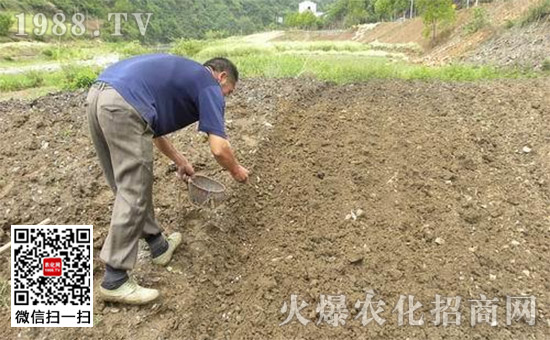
(224, 65)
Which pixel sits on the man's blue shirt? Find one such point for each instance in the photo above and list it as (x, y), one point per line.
(169, 92)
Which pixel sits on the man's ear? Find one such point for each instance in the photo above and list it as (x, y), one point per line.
(223, 77)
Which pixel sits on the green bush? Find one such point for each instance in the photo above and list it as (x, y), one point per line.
(479, 21)
(6, 21)
(509, 24)
(305, 20)
(188, 47)
(546, 64)
(76, 77)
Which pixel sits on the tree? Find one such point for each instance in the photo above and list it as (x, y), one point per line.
(356, 13)
(390, 9)
(383, 8)
(436, 13)
(350, 12)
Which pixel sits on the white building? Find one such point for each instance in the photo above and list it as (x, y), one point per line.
(309, 6)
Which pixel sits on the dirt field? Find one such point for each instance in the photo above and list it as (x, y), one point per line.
(453, 181)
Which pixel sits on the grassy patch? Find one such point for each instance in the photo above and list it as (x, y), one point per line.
(24, 53)
(336, 68)
(17, 82)
(84, 50)
(340, 62)
(129, 49)
(325, 46)
(22, 49)
(346, 69)
(235, 47)
(411, 47)
(537, 13)
(69, 78)
(61, 52)
(189, 47)
(236, 50)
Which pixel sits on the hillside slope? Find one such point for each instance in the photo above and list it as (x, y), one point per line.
(455, 44)
(524, 47)
(459, 43)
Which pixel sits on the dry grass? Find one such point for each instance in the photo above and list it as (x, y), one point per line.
(4, 294)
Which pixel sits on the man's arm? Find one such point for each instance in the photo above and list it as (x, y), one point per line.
(166, 147)
(221, 149)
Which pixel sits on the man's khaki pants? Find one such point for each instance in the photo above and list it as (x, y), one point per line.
(124, 145)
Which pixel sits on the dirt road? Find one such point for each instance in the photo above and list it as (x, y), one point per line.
(452, 181)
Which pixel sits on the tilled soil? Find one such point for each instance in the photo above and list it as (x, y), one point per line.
(451, 181)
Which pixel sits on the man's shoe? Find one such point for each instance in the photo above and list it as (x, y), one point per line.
(174, 241)
(130, 293)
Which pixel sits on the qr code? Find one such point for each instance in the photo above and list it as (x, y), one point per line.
(51, 276)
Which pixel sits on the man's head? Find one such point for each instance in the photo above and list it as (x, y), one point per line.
(225, 72)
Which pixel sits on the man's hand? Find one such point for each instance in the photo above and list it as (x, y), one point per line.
(185, 170)
(221, 149)
(240, 174)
